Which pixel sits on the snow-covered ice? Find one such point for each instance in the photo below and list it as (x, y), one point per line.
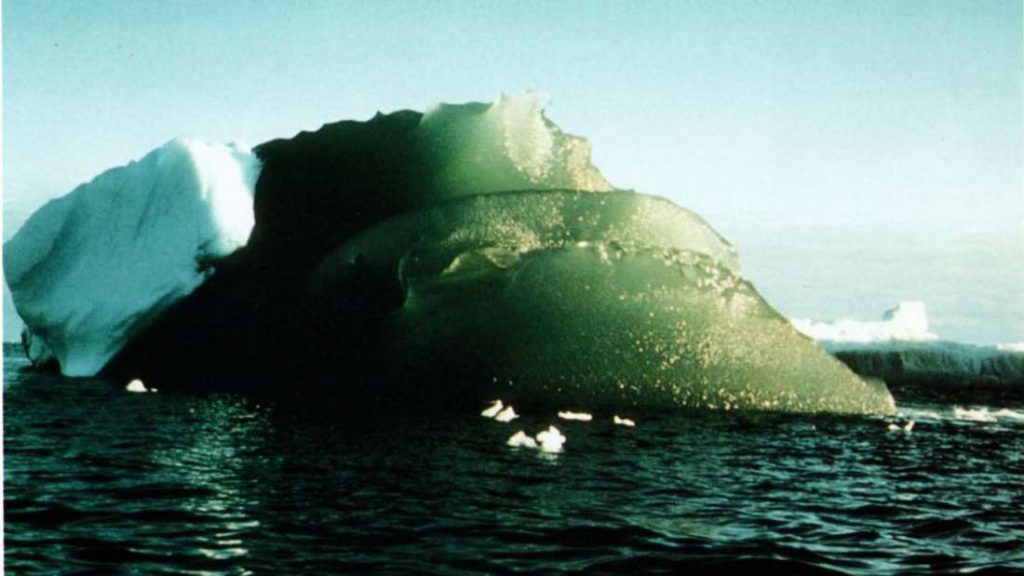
(492, 410)
(906, 322)
(90, 269)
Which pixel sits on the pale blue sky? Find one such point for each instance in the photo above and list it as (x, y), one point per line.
(814, 112)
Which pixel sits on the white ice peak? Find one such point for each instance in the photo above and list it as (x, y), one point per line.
(89, 269)
(906, 322)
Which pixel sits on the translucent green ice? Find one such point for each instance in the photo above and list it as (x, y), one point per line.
(577, 299)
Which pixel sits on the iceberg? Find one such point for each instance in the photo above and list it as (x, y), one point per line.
(90, 270)
(459, 255)
(907, 322)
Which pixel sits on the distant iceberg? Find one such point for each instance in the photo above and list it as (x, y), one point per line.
(89, 270)
(467, 253)
(907, 322)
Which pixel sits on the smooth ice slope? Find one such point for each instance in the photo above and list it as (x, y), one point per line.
(90, 269)
(564, 297)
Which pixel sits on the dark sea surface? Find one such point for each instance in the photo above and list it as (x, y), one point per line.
(101, 480)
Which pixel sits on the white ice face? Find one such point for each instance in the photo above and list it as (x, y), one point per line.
(908, 322)
(90, 269)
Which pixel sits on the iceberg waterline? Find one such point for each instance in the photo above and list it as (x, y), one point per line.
(473, 246)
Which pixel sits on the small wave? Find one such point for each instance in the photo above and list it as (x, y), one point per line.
(983, 414)
(917, 414)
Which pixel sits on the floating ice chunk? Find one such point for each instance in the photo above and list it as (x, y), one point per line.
(551, 440)
(521, 440)
(136, 386)
(623, 421)
(579, 416)
(89, 270)
(906, 322)
(896, 427)
(493, 410)
(506, 415)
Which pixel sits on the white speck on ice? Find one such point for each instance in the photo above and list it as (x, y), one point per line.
(895, 427)
(136, 386)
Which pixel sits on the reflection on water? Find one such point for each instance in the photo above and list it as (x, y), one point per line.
(97, 478)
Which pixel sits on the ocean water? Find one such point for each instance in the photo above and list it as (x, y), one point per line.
(971, 281)
(99, 480)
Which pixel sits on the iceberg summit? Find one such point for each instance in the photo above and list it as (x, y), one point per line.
(462, 254)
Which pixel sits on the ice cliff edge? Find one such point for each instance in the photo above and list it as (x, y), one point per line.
(88, 270)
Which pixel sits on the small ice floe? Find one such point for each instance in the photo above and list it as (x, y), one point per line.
(137, 386)
(551, 440)
(580, 416)
(623, 421)
(521, 440)
(897, 427)
(506, 415)
(493, 410)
